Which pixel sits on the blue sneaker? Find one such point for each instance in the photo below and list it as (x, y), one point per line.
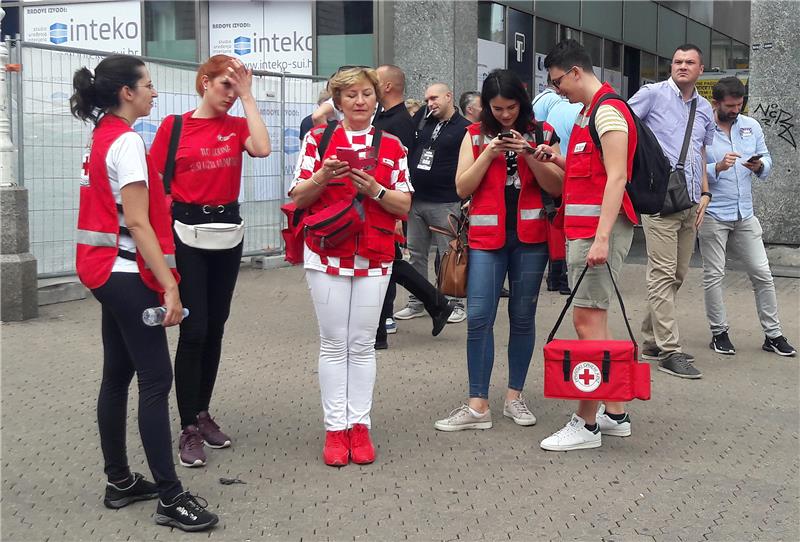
(391, 326)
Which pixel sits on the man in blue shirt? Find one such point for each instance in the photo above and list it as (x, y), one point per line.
(737, 153)
(665, 108)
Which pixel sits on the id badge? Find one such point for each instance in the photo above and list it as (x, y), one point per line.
(426, 160)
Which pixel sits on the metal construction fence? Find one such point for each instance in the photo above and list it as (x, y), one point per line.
(51, 143)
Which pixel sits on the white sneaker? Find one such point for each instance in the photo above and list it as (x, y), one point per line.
(517, 410)
(574, 436)
(610, 426)
(410, 312)
(458, 315)
(391, 326)
(462, 418)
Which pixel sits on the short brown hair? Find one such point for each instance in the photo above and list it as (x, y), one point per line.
(213, 67)
(349, 77)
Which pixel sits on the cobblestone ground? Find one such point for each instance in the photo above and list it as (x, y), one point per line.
(714, 459)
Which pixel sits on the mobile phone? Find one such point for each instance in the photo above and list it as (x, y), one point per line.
(363, 159)
(531, 150)
(755, 157)
(509, 135)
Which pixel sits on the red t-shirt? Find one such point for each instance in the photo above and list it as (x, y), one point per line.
(208, 164)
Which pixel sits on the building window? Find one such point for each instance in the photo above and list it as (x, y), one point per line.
(344, 35)
(491, 22)
(648, 70)
(170, 30)
(546, 36)
(664, 68)
(612, 66)
(570, 33)
(721, 52)
(594, 46)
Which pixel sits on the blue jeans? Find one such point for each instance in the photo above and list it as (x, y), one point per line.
(487, 270)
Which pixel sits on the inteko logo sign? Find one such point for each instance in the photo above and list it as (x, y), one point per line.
(93, 31)
(241, 45)
(58, 33)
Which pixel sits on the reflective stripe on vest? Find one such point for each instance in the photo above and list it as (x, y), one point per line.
(483, 220)
(170, 259)
(96, 238)
(579, 209)
(531, 214)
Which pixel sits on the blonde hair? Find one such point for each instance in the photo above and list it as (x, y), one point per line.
(344, 79)
(413, 105)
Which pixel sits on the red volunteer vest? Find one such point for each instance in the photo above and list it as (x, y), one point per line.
(487, 212)
(585, 178)
(376, 240)
(98, 224)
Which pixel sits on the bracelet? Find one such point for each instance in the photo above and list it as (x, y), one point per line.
(315, 182)
(709, 194)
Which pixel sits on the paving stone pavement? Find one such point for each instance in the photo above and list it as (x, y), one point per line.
(714, 459)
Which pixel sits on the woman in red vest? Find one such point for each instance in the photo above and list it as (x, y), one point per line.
(208, 233)
(124, 255)
(501, 167)
(348, 274)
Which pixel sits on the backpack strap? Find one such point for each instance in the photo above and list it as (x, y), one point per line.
(174, 139)
(592, 127)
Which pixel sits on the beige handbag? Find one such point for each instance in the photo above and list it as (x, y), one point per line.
(452, 278)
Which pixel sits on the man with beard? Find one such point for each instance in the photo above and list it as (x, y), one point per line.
(738, 153)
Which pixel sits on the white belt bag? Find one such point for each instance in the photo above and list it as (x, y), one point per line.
(213, 236)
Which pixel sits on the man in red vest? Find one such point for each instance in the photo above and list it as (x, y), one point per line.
(598, 220)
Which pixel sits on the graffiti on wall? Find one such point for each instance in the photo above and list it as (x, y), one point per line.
(774, 116)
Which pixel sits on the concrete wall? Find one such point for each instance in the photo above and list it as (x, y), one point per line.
(775, 102)
(432, 40)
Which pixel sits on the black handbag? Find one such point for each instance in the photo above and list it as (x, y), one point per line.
(677, 198)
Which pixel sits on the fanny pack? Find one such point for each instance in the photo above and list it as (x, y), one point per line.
(208, 227)
(333, 230)
(206, 236)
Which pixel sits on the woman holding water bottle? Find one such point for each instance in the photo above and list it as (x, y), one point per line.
(125, 255)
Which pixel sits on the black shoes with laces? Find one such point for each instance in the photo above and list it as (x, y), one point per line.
(185, 513)
(137, 489)
(779, 345)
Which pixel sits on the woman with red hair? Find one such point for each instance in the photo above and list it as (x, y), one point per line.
(208, 233)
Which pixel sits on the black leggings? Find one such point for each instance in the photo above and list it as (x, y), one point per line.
(131, 347)
(208, 278)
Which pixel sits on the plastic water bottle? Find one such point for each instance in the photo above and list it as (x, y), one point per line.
(154, 316)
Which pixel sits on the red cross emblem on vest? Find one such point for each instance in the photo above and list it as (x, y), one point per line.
(85, 170)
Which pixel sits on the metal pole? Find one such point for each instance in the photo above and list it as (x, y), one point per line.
(283, 154)
(20, 118)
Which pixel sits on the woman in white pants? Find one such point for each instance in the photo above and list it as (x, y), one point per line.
(348, 255)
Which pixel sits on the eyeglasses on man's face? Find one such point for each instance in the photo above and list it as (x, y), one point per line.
(556, 83)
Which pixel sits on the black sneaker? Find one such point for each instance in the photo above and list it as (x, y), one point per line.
(440, 319)
(721, 344)
(779, 345)
(652, 353)
(137, 490)
(677, 364)
(185, 513)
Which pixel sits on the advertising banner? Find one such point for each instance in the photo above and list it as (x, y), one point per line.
(271, 36)
(115, 27)
(520, 46)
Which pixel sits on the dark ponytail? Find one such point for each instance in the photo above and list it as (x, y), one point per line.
(97, 93)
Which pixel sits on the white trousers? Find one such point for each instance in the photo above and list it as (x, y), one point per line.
(348, 310)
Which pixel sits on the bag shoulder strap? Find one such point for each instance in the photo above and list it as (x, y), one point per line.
(572, 296)
(174, 139)
(592, 121)
(326, 137)
(687, 136)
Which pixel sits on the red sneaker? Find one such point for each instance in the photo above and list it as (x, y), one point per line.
(361, 449)
(336, 452)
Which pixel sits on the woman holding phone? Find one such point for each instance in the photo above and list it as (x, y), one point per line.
(348, 266)
(504, 170)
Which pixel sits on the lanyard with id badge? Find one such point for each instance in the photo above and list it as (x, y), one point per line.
(426, 159)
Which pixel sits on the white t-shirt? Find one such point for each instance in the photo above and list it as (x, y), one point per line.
(126, 163)
(339, 114)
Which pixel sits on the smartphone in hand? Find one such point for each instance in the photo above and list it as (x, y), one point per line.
(755, 158)
(509, 135)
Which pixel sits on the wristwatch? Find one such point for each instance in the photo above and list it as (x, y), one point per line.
(380, 194)
(709, 194)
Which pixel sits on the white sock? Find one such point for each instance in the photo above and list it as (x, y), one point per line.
(476, 413)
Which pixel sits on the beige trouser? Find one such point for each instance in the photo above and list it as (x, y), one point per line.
(670, 243)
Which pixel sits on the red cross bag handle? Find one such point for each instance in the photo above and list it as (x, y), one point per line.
(572, 296)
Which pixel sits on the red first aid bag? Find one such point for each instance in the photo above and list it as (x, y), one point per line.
(333, 230)
(594, 370)
(293, 233)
